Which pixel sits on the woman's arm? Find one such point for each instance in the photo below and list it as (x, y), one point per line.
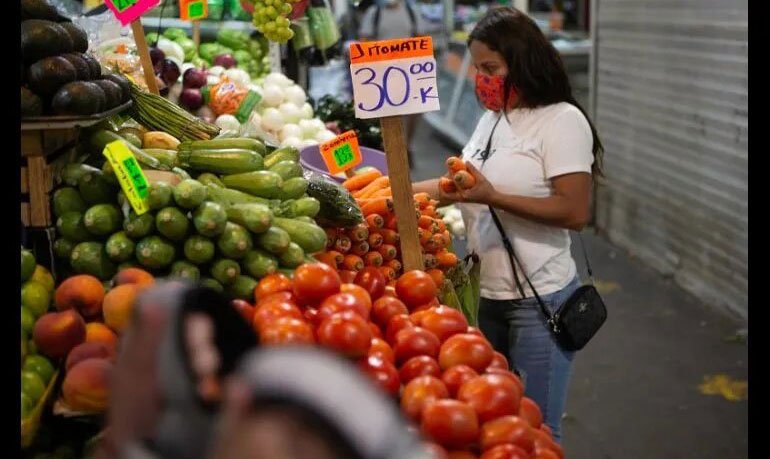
(568, 206)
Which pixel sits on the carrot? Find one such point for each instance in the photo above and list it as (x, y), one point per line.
(375, 221)
(327, 258)
(392, 223)
(424, 221)
(430, 244)
(342, 245)
(421, 198)
(440, 226)
(331, 237)
(388, 272)
(389, 237)
(337, 256)
(359, 181)
(353, 263)
(375, 240)
(437, 275)
(447, 238)
(455, 164)
(373, 259)
(429, 260)
(376, 184)
(424, 236)
(383, 193)
(446, 259)
(464, 180)
(358, 233)
(380, 206)
(387, 251)
(430, 211)
(394, 264)
(447, 185)
(360, 248)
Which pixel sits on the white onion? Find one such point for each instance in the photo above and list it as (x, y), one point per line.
(319, 125)
(308, 128)
(217, 70)
(253, 127)
(306, 111)
(325, 136)
(274, 79)
(290, 130)
(238, 76)
(292, 142)
(290, 112)
(457, 228)
(284, 81)
(272, 95)
(211, 80)
(228, 123)
(295, 95)
(272, 120)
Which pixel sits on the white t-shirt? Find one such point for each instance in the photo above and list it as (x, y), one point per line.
(537, 145)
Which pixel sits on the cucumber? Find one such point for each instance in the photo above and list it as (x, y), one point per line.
(119, 247)
(62, 248)
(227, 197)
(293, 188)
(307, 207)
(309, 236)
(225, 271)
(198, 249)
(172, 223)
(71, 173)
(207, 178)
(226, 161)
(103, 219)
(95, 189)
(306, 219)
(244, 143)
(287, 169)
(184, 270)
(235, 241)
(159, 195)
(154, 252)
(181, 173)
(264, 184)
(67, 199)
(242, 288)
(274, 240)
(139, 226)
(90, 258)
(257, 218)
(71, 226)
(166, 157)
(210, 219)
(259, 263)
(338, 208)
(109, 174)
(213, 284)
(189, 194)
(293, 256)
(281, 154)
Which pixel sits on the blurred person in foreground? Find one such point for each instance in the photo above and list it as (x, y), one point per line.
(532, 158)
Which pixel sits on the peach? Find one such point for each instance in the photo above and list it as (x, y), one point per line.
(97, 332)
(136, 276)
(118, 306)
(56, 333)
(83, 293)
(87, 351)
(86, 386)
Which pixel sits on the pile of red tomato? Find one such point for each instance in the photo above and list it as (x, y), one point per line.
(449, 380)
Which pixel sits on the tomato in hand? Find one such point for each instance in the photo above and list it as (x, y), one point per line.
(507, 451)
(347, 333)
(499, 361)
(286, 330)
(386, 307)
(530, 412)
(272, 283)
(382, 373)
(267, 313)
(420, 365)
(444, 322)
(466, 349)
(313, 282)
(380, 348)
(419, 392)
(450, 423)
(396, 323)
(413, 341)
(491, 396)
(456, 376)
(416, 288)
(244, 309)
(362, 295)
(507, 430)
(372, 280)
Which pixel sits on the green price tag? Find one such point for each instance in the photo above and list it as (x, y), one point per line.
(195, 10)
(123, 5)
(129, 174)
(343, 155)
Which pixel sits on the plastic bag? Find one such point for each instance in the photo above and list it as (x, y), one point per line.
(230, 98)
(338, 208)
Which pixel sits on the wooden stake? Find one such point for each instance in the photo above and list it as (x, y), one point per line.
(196, 32)
(401, 186)
(144, 56)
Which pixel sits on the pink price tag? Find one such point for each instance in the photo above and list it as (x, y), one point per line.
(127, 11)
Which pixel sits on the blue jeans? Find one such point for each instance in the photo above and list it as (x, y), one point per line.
(518, 330)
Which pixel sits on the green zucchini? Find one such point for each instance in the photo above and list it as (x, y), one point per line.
(242, 288)
(264, 184)
(207, 178)
(139, 226)
(213, 284)
(90, 258)
(259, 263)
(199, 249)
(159, 195)
(257, 218)
(228, 197)
(310, 237)
(229, 161)
(185, 270)
(189, 194)
(225, 270)
(210, 219)
(166, 157)
(293, 256)
(307, 207)
(287, 169)
(293, 188)
(235, 241)
(274, 240)
(243, 143)
(71, 173)
(119, 247)
(103, 219)
(172, 223)
(100, 138)
(154, 252)
(281, 154)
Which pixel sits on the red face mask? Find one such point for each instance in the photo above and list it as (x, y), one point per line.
(490, 89)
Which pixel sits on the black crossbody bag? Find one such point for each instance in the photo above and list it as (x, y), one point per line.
(581, 315)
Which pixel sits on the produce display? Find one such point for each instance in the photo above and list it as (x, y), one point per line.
(453, 219)
(341, 117)
(271, 18)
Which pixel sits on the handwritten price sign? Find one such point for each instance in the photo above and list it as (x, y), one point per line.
(394, 77)
(341, 153)
(129, 174)
(129, 10)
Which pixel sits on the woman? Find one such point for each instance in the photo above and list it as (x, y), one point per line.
(532, 155)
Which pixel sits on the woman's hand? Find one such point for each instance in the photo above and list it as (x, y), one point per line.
(482, 192)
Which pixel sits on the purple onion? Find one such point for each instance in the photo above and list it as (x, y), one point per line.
(191, 99)
(170, 72)
(225, 60)
(194, 78)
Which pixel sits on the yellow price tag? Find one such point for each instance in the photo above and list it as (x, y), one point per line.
(129, 174)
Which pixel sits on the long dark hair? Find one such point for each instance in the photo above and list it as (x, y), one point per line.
(535, 68)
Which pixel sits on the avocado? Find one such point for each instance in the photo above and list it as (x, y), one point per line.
(78, 36)
(124, 84)
(40, 9)
(96, 67)
(112, 91)
(82, 68)
(31, 105)
(41, 38)
(47, 75)
(79, 98)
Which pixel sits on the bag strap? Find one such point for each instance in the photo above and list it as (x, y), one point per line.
(585, 257)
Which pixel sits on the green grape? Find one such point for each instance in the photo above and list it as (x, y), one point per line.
(286, 8)
(271, 12)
